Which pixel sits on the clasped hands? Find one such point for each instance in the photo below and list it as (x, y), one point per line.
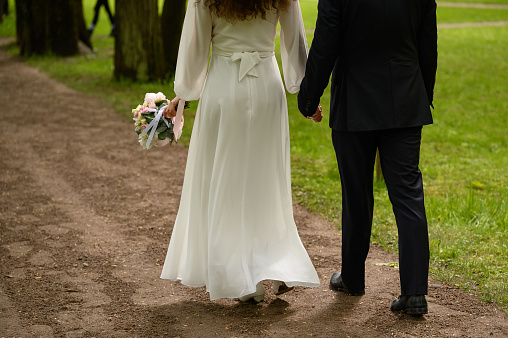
(318, 115)
(170, 109)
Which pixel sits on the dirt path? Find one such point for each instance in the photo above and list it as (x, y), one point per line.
(86, 217)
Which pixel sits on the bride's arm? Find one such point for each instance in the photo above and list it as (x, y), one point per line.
(194, 51)
(293, 46)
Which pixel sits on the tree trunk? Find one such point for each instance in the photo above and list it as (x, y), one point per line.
(63, 27)
(83, 33)
(48, 26)
(139, 53)
(4, 9)
(32, 27)
(172, 18)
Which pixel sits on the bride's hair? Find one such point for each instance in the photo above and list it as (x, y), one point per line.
(245, 9)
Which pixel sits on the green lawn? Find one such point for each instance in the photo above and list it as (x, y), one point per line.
(494, 2)
(455, 15)
(464, 154)
(445, 14)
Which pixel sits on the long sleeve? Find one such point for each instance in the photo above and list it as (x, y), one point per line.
(427, 48)
(293, 46)
(193, 54)
(323, 54)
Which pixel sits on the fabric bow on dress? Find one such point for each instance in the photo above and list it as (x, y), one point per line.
(248, 60)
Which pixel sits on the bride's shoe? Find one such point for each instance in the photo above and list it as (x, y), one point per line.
(257, 296)
(279, 287)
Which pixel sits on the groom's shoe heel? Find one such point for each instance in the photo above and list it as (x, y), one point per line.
(414, 305)
(417, 305)
(417, 311)
(336, 283)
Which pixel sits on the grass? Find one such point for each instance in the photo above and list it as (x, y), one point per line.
(464, 154)
(456, 15)
(445, 14)
(8, 26)
(465, 160)
(494, 2)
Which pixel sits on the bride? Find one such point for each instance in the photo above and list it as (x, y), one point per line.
(235, 225)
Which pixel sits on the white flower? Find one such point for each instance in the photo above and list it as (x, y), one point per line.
(144, 138)
(149, 98)
(159, 97)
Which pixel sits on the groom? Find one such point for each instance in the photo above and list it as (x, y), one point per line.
(383, 54)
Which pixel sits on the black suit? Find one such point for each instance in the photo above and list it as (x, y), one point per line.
(383, 54)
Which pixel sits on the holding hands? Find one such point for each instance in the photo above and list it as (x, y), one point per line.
(318, 115)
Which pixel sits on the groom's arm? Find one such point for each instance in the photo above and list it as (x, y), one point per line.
(322, 56)
(427, 48)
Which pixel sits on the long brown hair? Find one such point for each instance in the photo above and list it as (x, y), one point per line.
(244, 9)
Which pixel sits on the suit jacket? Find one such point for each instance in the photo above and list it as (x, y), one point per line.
(383, 54)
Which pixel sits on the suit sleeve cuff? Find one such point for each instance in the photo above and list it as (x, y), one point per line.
(307, 106)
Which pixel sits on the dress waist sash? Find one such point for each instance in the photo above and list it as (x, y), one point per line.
(248, 60)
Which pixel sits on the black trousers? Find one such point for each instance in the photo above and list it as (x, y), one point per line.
(399, 151)
(97, 9)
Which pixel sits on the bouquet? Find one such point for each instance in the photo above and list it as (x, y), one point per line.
(151, 124)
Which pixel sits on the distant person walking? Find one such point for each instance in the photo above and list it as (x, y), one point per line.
(97, 8)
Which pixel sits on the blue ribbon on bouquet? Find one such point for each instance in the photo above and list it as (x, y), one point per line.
(153, 125)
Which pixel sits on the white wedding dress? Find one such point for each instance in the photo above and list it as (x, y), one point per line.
(235, 223)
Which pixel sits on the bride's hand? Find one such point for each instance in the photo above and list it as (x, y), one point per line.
(318, 115)
(170, 109)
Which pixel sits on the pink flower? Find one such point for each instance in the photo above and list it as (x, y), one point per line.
(136, 113)
(143, 110)
(143, 126)
(152, 105)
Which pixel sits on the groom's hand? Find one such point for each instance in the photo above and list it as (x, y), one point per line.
(318, 115)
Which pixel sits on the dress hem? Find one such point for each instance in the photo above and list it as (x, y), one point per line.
(288, 283)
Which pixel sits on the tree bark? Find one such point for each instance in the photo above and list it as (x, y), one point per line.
(4, 9)
(48, 26)
(83, 33)
(32, 30)
(173, 14)
(139, 53)
(63, 27)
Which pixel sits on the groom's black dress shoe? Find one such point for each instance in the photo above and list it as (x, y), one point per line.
(336, 283)
(414, 305)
